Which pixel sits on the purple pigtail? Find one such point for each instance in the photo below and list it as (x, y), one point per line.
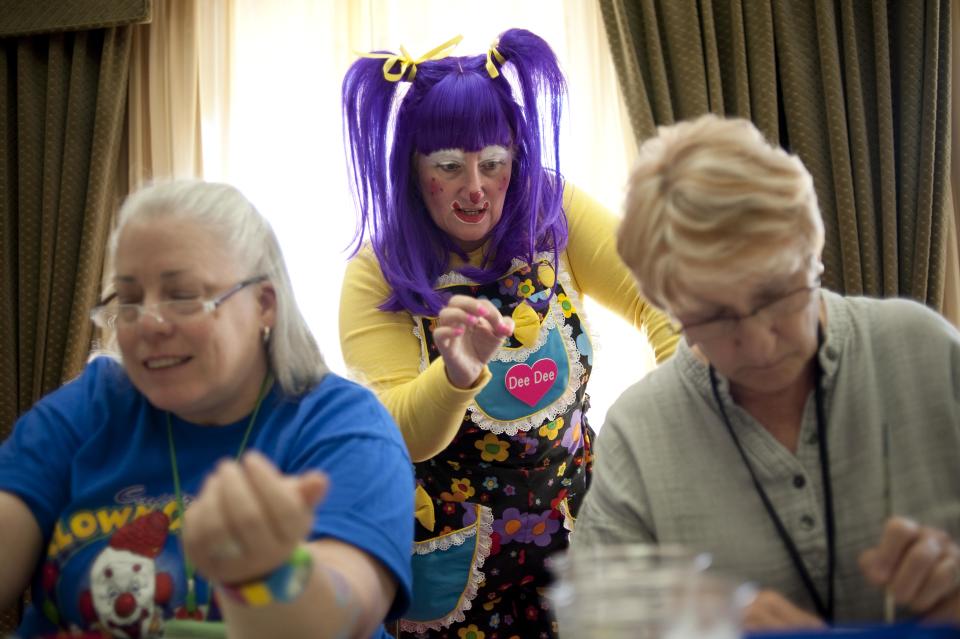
(367, 105)
(454, 103)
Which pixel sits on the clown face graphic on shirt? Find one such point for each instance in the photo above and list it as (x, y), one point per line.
(123, 587)
(127, 591)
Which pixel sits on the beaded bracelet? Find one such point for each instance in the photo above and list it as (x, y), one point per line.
(283, 585)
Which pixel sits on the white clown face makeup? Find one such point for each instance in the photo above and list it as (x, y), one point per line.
(464, 191)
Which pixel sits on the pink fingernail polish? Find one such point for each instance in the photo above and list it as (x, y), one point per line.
(481, 311)
(473, 320)
(458, 330)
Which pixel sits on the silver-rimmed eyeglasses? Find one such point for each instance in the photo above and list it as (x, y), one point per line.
(725, 326)
(106, 315)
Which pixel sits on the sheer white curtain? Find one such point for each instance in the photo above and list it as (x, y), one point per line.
(283, 144)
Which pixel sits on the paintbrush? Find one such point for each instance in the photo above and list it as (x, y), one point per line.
(889, 603)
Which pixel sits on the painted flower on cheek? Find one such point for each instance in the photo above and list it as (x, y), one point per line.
(492, 449)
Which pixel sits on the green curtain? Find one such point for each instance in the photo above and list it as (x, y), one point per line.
(62, 100)
(859, 89)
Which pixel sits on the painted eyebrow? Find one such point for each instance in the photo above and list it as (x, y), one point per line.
(446, 155)
(494, 152)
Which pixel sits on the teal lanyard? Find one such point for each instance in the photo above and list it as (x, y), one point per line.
(188, 570)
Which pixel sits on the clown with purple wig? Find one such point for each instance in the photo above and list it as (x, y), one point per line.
(461, 308)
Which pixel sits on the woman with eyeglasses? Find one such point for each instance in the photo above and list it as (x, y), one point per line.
(217, 471)
(797, 434)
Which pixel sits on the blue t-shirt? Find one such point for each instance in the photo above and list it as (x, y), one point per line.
(92, 462)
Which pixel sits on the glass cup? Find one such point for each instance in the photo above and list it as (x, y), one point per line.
(643, 592)
(710, 608)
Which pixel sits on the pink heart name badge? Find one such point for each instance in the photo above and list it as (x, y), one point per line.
(530, 383)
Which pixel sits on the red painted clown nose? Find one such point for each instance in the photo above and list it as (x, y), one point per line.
(475, 196)
(125, 605)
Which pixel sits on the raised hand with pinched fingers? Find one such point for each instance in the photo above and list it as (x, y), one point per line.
(468, 333)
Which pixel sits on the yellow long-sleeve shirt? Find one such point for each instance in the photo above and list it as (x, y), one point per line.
(381, 349)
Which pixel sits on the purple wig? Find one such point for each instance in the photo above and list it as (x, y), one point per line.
(453, 103)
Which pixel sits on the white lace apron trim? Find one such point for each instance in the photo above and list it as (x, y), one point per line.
(574, 295)
(454, 278)
(418, 333)
(483, 530)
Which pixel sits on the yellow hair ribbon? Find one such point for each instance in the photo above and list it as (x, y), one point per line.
(406, 61)
(494, 54)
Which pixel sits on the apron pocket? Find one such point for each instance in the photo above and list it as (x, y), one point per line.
(446, 570)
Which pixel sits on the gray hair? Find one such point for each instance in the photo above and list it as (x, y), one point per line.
(292, 352)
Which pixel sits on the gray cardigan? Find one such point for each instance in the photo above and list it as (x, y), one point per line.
(667, 469)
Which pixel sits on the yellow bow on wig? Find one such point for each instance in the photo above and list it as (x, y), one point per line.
(494, 54)
(407, 62)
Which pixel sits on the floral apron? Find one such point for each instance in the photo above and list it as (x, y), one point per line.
(503, 495)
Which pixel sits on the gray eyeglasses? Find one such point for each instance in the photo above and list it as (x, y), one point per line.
(717, 327)
(106, 316)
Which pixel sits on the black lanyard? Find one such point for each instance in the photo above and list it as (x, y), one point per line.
(824, 608)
